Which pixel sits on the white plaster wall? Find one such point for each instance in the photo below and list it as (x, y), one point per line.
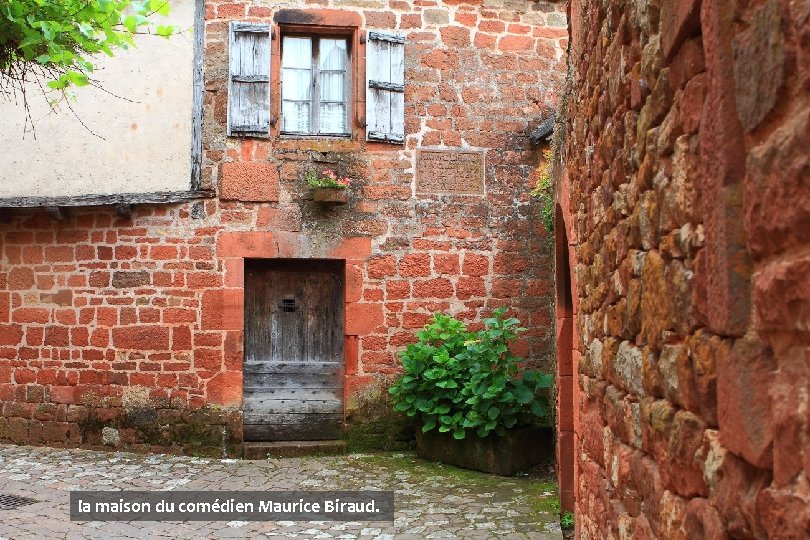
(141, 144)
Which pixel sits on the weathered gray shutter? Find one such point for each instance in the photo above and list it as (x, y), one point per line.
(249, 82)
(385, 87)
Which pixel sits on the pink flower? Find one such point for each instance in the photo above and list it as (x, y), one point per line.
(330, 173)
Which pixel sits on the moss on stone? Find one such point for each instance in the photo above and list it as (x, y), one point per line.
(372, 423)
(538, 490)
(209, 431)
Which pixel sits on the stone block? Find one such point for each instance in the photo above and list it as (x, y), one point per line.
(777, 191)
(249, 181)
(703, 521)
(363, 319)
(738, 491)
(784, 512)
(743, 402)
(681, 472)
(626, 370)
(704, 352)
(759, 63)
(436, 16)
(129, 279)
(143, 337)
(788, 394)
(680, 19)
(246, 244)
(225, 388)
(673, 517)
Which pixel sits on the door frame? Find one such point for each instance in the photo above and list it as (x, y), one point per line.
(223, 308)
(335, 267)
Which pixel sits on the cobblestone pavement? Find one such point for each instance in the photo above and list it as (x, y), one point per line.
(432, 500)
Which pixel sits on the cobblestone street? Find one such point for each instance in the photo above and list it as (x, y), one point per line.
(432, 501)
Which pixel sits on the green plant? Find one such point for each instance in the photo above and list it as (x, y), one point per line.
(54, 40)
(457, 381)
(544, 191)
(567, 521)
(327, 180)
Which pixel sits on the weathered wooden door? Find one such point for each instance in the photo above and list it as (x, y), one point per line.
(293, 368)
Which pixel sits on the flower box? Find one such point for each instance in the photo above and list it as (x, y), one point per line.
(330, 196)
(517, 450)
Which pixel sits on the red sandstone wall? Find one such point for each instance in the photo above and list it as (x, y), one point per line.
(686, 179)
(101, 316)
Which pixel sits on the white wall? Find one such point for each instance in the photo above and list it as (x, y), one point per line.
(146, 145)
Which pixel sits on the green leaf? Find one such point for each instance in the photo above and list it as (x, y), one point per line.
(539, 409)
(524, 395)
(131, 23)
(160, 6)
(429, 424)
(78, 79)
(58, 84)
(165, 31)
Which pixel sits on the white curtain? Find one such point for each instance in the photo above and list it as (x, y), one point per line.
(296, 84)
(333, 60)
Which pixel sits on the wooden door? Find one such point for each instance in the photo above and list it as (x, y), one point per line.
(293, 368)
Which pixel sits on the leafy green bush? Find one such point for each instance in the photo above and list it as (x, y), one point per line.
(567, 521)
(456, 380)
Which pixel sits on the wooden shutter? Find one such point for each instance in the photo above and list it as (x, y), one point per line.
(385, 87)
(249, 82)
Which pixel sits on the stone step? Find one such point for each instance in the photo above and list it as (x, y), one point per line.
(279, 449)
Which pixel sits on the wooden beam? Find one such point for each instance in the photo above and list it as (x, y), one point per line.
(164, 197)
(197, 107)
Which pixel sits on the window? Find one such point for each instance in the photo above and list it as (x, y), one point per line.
(314, 85)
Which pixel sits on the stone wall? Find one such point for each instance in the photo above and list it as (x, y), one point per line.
(95, 309)
(686, 201)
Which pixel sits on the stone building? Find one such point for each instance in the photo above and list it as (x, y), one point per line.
(136, 300)
(683, 296)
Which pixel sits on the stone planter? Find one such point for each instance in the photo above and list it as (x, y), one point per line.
(330, 196)
(516, 451)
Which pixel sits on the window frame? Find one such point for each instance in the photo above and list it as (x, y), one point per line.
(355, 71)
(315, 101)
